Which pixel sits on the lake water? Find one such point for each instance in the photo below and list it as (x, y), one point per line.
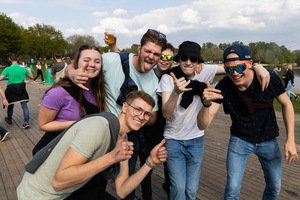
(297, 76)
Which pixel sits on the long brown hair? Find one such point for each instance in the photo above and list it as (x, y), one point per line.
(97, 84)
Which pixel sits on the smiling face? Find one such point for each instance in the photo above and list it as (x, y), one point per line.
(164, 64)
(148, 56)
(188, 67)
(244, 79)
(132, 121)
(92, 59)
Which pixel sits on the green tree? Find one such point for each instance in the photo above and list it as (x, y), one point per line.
(42, 41)
(10, 37)
(297, 55)
(75, 41)
(133, 49)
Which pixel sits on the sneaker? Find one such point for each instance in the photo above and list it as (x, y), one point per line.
(25, 125)
(7, 120)
(3, 135)
(296, 97)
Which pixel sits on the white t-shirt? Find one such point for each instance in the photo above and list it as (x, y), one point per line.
(114, 78)
(182, 124)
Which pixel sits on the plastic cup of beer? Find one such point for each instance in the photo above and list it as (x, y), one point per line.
(111, 35)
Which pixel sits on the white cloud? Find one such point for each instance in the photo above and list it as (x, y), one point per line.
(24, 21)
(189, 16)
(100, 15)
(72, 31)
(120, 12)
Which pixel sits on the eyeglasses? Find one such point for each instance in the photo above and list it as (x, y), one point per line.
(157, 32)
(168, 57)
(139, 111)
(192, 59)
(238, 68)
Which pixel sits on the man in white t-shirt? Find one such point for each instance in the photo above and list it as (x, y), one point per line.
(181, 92)
(184, 141)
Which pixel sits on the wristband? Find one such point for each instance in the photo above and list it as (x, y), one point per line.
(206, 105)
(149, 163)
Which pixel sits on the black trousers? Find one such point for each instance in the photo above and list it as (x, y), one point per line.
(38, 73)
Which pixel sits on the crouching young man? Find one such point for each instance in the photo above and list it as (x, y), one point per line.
(82, 153)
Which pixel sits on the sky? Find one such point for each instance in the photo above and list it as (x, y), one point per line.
(216, 21)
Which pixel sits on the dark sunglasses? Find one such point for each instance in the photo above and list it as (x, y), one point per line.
(168, 57)
(192, 59)
(238, 68)
(157, 32)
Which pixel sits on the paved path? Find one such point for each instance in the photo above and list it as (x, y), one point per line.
(15, 152)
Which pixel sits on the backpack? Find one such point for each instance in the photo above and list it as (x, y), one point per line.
(42, 155)
(128, 84)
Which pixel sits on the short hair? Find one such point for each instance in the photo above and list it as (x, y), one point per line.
(72, 55)
(131, 96)
(170, 46)
(13, 57)
(154, 37)
(57, 55)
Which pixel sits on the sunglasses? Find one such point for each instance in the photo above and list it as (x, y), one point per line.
(238, 68)
(157, 32)
(192, 59)
(168, 57)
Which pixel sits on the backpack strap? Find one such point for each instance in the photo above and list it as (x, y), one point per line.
(128, 84)
(42, 155)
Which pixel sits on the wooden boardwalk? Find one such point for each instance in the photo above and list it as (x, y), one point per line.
(15, 152)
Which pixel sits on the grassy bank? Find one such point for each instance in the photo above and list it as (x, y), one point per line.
(296, 105)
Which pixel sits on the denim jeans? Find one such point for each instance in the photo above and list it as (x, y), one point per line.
(184, 166)
(269, 155)
(288, 89)
(10, 110)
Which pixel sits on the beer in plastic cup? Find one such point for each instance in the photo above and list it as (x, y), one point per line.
(111, 35)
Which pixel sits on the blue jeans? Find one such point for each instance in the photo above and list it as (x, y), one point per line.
(184, 166)
(288, 89)
(10, 111)
(269, 155)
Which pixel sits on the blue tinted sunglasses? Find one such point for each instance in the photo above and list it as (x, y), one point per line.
(158, 33)
(168, 57)
(238, 68)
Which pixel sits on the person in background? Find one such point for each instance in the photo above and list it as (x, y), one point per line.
(254, 128)
(277, 69)
(39, 72)
(84, 151)
(16, 89)
(58, 69)
(289, 81)
(72, 56)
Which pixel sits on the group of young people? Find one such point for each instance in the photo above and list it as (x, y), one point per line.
(161, 114)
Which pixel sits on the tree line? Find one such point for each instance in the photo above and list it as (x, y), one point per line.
(42, 41)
